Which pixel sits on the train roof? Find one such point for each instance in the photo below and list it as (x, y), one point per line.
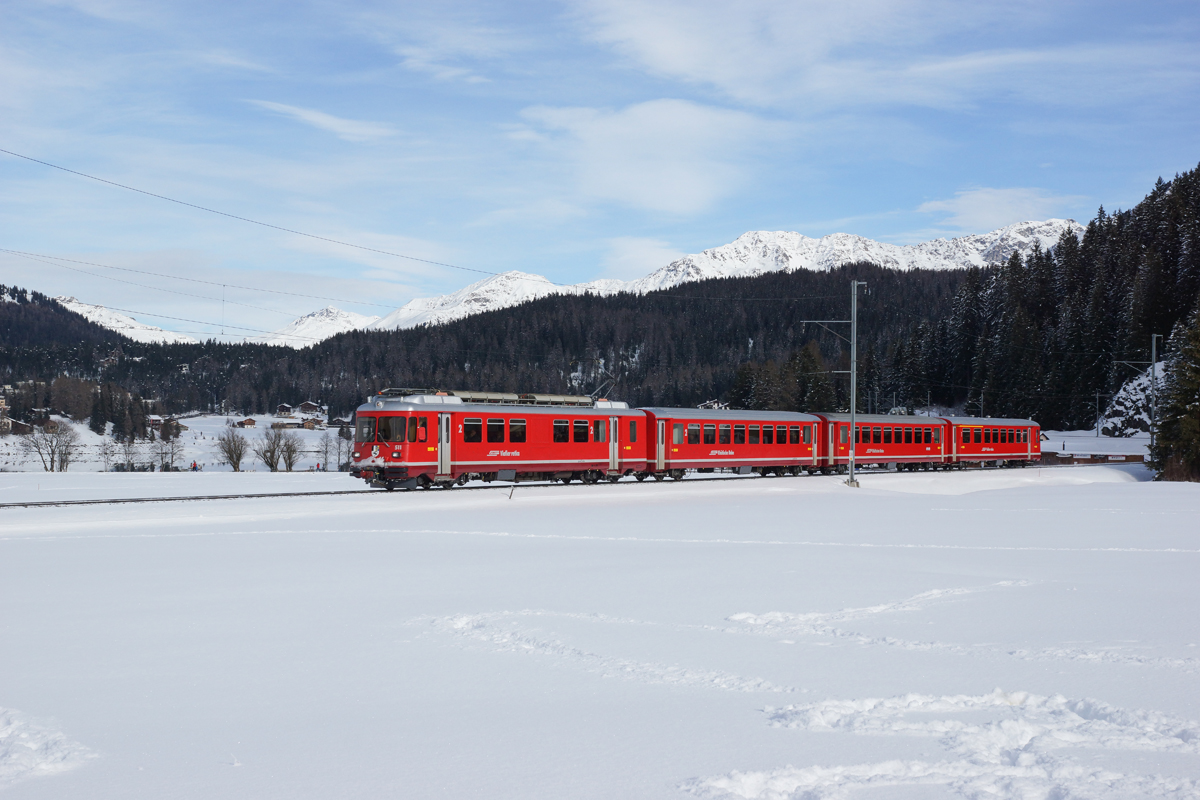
(916, 419)
(731, 414)
(435, 403)
(989, 421)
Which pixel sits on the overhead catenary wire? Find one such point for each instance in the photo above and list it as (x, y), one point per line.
(196, 280)
(148, 286)
(252, 221)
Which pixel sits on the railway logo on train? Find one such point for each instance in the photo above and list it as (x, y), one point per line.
(421, 438)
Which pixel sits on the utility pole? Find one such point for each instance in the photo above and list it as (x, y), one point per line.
(850, 481)
(1097, 415)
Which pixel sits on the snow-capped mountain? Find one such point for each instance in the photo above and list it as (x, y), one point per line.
(496, 291)
(759, 252)
(753, 253)
(317, 326)
(126, 326)
(750, 254)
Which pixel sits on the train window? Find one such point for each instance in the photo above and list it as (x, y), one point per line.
(753, 435)
(412, 429)
(581, 430)
(391, 429)
(694, 433)
(907, 436)
(768, 434)
(516, 430)
(807, 434)
(966, 435)
(1024, 435)
(723, 434)
(495, 430)
(472, 430)
(781, 434)
(857, 434)
(710, 434)
(739, 434)
(794, 434)
(987, 435)
(599, 430)
(929, 436)
(845, 434)
(365, 430)
(562, 430)
(633, 430)
(887, 435)
(877, 436)
(978, 435)
(677, 433)
(937, 435)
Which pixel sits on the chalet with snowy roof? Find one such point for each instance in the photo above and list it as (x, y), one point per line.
(248, 422)
(283, 410)
(309, 407)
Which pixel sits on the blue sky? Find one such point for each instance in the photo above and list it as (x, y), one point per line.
(577, 140)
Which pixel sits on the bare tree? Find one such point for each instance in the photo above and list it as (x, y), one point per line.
(291, 449)
(325, 447)
(232, 448)
(267, 448)
(108, 452)
(55, 446)
(166, 450)
(131, 450)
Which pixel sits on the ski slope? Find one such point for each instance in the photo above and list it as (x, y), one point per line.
(1002, 633)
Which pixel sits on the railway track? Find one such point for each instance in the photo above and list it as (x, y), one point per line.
(501, 488)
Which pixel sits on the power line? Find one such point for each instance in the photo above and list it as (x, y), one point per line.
(197, 280)
(147, 286)
(252, 221)
(202, 322)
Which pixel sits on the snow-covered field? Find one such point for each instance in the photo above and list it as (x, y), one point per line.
(199, 445)
(1004, 633)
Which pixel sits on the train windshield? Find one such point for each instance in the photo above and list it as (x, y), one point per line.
(365, 431)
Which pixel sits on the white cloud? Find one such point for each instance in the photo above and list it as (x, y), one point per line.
(986, 209)
(928, 53)
(349, 129)
(632, 257)
(663, 155)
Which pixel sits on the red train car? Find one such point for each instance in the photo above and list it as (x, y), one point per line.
(880, 439)
(986, 439)
(766, 442)
(441, 439)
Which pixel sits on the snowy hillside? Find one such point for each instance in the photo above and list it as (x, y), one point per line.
(751, 254)
(317, 326)
(1129, 412)
(126, 326)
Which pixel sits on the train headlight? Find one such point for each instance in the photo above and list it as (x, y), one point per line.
(356, 454)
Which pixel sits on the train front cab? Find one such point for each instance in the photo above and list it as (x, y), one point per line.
(427, 440)
(766, 442)
(995, 441)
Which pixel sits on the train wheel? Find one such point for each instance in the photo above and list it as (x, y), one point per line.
(677, 474)
(462, 479)
(614, 478)
(640, 476)
(424, 482)
(658, 476)
(390, 487)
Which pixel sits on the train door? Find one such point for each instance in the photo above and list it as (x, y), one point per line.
(816, 443)
(614, 450)
(443, 448)
(660, 449)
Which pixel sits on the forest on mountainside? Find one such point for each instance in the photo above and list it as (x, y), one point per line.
(1039, 336)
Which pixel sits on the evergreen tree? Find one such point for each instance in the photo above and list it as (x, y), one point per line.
(1176, 453)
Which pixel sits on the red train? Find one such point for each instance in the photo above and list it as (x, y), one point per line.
(406, 438)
